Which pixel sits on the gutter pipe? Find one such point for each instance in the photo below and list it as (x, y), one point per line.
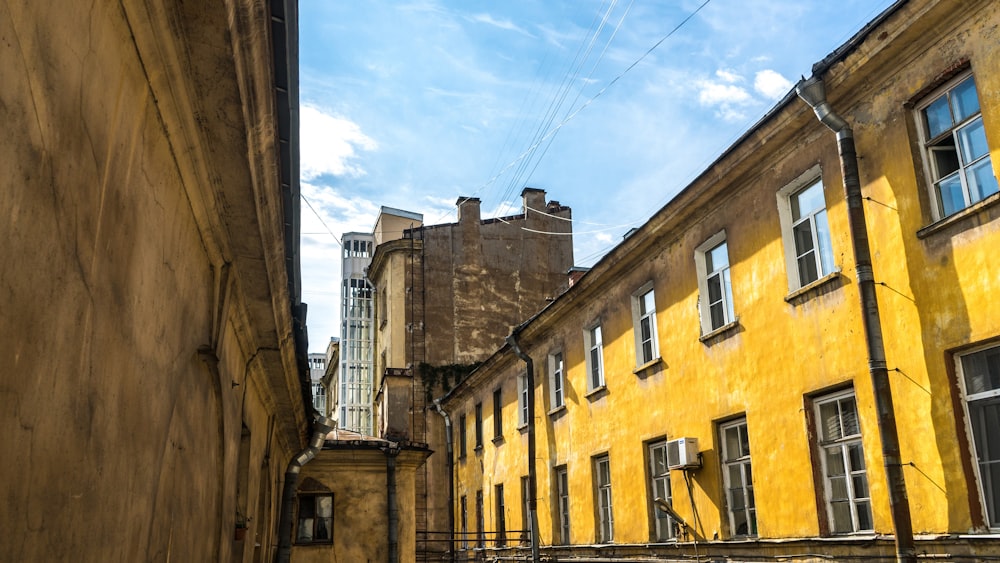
(813, 92)
(451, 479)
(391, 503)
(532, 481)
(321, 427)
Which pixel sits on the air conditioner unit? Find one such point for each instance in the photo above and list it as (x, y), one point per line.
(682, 453)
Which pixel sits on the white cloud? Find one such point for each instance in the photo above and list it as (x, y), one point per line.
(716, 94)
(771, 84)
(504, 24)
(729, 76)
(330, 144)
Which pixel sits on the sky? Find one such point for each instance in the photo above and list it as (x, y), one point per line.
(612, 107)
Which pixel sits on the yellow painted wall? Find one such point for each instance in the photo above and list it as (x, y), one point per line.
(938, 296)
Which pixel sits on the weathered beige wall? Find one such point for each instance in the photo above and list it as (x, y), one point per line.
(937, 298)
(356, 475)
(128, 168)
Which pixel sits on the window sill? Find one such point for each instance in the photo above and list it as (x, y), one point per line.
(523, 428)
(968, 217)
(596, 393)
(826, 283)
(558, 410)
(721, 333)
(313, 543)
(649, 368)
(497, 440)
(478, 449)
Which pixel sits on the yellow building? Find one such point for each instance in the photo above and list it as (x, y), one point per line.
(728, 333)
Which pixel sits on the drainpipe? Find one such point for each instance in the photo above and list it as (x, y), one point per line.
(451, 479)
(813, 92)
(321, 426)
(391, 503)
(532, 482)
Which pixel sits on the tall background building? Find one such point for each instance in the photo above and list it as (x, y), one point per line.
(354, 408)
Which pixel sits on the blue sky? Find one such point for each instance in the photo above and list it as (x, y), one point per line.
(412, 104)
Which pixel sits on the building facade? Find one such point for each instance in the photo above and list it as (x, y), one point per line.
(155, 378)
(446, 295)
(722, 358)
(354, 399)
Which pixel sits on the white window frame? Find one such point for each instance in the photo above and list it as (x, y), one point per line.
(856, 498)
(980, 455)
(602, 490)
(562, 495)
(557, 380)
(664, 527)
(701, 257)
(522, 399)
(806, 180)
(593, 343)
(953, 133)
(639, 317)
(740, 504)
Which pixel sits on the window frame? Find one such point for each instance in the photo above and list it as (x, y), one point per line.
(562, 525)
(557, 380)
(843, 444)
(480, 520)
(662, 525)
(525, 508)
(479, 426)
(804, 181)
(929, 145)
(594, 345)
(638, 317)
(522, 400)
(701, 257)
(604, 531)
(501, 516)
(463, 437)
(497, 414)
(463, 511)
(312, 497)
(991, 521)
(742, 462)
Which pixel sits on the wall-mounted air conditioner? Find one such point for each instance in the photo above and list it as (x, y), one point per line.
(682, 453)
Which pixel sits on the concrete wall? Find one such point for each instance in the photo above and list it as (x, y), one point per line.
(787, 347)
(146, 329)
(356, 476)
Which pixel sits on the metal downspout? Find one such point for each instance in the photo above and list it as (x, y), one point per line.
(391, 500)
(813, 92)
(532, 482)
(321, 427)
(451, 479)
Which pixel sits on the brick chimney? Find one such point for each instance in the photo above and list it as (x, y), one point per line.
(533, 198)
(468, 209)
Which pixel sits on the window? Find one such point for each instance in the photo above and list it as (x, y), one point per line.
(842, 458)
(562, 504)
(479, 426)
(714, 283)
(461, 437)
(480, 522)
(659, 487)
(957, 154)
(738, 479)
(525, 509)
(602, 482)
(556, 380)
(501, 517)
(315, 519)
(319, 397)
(522, 399)
(981, 379)
(644, 316)
(595, 357)
(497, 414)
(463, 508)
(805, 231)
